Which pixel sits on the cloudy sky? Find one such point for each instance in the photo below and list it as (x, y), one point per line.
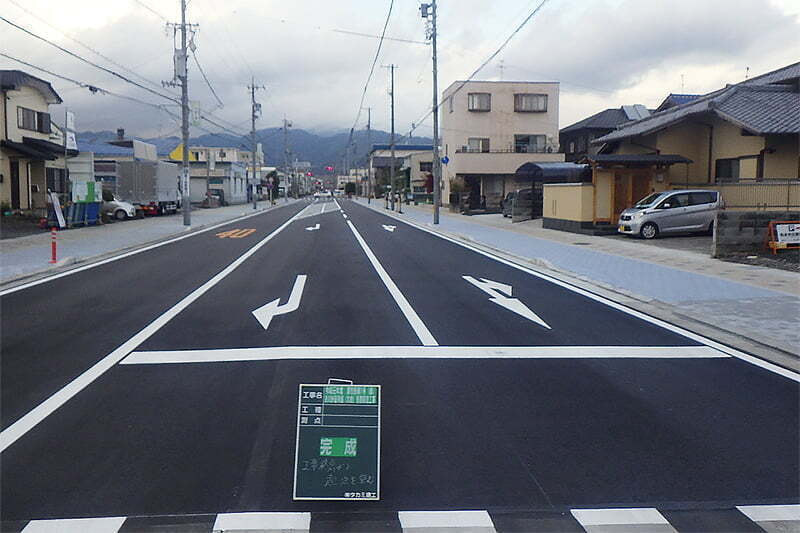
(605, 53)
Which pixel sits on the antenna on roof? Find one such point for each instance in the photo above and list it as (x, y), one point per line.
(746, 72)
(501, 67)
(682, 90)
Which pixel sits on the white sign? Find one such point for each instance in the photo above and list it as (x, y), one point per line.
(788, 233)
(57, 208)
(69, 133)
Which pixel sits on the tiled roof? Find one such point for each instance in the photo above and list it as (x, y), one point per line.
(754, 105)
(607, 119)
(18, 78)
(103, 148)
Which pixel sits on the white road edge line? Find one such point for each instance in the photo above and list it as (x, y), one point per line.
(273, 353)
(262, 522)
(110, 524)
(753, 360)
(132, 252)
(425, 336)
(41, 411)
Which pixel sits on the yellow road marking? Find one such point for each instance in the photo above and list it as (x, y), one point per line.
(236, 233)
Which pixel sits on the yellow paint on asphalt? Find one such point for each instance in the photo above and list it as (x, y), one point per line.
(236, 233)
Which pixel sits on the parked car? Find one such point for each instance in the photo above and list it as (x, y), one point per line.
(665, 212)
(117, 208)
(508, 203)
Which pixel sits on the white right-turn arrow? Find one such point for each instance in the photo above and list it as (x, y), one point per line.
(496, 289)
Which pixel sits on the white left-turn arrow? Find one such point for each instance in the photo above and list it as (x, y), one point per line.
(313, 228)
(501, 295)
(265, 313)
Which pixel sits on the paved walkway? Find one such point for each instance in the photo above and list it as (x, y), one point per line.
(28, 255)
(757, 302)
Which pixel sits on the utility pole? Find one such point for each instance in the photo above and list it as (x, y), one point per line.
(369, 151)
(255, 113)
(437, 162)
(182, 76)
(286, 125)
(186, 203)
(393, 179)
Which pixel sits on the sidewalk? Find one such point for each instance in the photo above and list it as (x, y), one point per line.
(754, 302)
(25, 256)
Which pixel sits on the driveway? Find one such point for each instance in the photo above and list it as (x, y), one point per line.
(688, 243)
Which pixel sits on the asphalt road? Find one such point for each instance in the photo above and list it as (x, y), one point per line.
(502, 389)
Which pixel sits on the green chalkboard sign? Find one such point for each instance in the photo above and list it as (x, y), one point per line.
(337, 454)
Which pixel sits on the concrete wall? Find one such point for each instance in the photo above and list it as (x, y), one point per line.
(744, 232)
(568, 201)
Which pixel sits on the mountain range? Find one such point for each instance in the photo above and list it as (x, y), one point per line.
(320, 149)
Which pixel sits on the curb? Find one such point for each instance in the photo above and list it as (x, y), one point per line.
(70, 263)
(774, 353)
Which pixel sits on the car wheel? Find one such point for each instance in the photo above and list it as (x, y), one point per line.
(120, 214)
(649, 231)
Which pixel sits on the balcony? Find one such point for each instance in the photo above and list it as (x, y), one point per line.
(497, 161)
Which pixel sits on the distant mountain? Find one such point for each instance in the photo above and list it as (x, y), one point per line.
(320, 149)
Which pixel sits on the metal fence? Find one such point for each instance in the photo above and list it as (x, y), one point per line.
(766, 195)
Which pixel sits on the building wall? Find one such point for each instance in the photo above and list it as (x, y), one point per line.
(604, 192)
(499, 125)
(30, 98)
(568, 201)
(785, 161)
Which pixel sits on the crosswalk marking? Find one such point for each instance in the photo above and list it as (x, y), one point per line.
(265, 522)
(76, 525)
(429, 521)
(773, 518)
(603, 519)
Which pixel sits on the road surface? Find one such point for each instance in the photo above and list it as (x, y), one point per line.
(148, 386)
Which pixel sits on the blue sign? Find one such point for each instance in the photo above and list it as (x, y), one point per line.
(445, 160)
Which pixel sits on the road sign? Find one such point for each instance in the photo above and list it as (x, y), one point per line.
(337, 453)
(445, 160)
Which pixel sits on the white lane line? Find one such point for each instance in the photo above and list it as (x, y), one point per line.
(266, 522)
(616, 517)
(771, 513)
(128, 254)
(425, 336)
(323, 207)
(472, 521)
(753, 360)
(76, 525)
(41, 411)
(415, 352)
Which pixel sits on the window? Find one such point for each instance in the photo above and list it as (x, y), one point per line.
(450, 103)
(222, 154)
(426, 166)
(43, 122)
(529, 144)
(478, 144)
(56, 180)
(480, 102)
(26, 118)
(700, 198)
(676, 200)
(571, 147)
(727, 169)
(196, 156)
(530, 103)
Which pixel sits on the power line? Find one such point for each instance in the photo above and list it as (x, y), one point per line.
(369, 77)
(486, 62)
(92, 88)
(76, 56)
(81, 43)
(197, 62)
(151, 10)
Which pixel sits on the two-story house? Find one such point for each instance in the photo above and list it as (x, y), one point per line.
(30, 163)
(489, 130)
(576, 139)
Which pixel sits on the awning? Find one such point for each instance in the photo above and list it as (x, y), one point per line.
(47, 147)
(635, 159)
(27, 150)
(554, 172)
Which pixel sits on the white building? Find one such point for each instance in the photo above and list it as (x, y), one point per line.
(491, 128)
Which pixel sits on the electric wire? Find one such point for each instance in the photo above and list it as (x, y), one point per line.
(486, 62)
(76, 56)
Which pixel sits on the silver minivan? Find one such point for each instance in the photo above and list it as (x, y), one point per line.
(671, 212)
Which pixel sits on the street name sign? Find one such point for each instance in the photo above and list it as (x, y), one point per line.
(337, 450)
